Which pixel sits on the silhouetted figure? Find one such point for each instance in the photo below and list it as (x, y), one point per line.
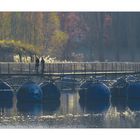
(42, 65)
(37, 64)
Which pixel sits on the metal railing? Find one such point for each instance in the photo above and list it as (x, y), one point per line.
(69, 67)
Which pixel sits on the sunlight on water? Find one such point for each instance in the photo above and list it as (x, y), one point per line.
(117, 119)
(111, 118)
(70, 113)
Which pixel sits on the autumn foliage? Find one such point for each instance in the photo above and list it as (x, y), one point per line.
(96, 36)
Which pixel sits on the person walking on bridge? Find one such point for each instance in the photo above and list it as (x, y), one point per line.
(42, 65)
(37, 64)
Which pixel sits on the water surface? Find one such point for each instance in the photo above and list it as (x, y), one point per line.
(69, 112)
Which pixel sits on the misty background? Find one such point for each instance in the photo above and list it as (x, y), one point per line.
(71, 36)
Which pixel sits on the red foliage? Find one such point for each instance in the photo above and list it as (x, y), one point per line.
(107, 30)
(74, 26)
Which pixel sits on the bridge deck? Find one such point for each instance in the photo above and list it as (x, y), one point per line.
(72, 74)
(70, 68)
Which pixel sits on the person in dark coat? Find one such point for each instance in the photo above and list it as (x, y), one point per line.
(37, 64)
(42, 65)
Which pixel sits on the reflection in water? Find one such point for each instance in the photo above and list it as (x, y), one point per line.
(50, 91)
(29, 108)
(69, 103)
(50, 107)
(116, 119)
(134, 104)
(133, 90)
(6, 105)
(95, 106)
(6, 97)
(119, 103)
(71, 112)
(6, 92)
(29, 92)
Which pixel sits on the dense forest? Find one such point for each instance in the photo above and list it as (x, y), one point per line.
(73, 36)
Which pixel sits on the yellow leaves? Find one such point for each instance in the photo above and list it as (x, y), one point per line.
(56, 38)
(19, 46)
(57, 42)
(59, 38)
(54, 18)
(1, 42)
(53, 22)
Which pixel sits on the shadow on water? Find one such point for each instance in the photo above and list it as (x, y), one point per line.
(94, 97)
(94, 106)
(50, 91)
(134, 104)
(29, 92)
(6, 96)
(6, 104)
(27, 108)
(34, 109)
(120, 103)
(50, 107)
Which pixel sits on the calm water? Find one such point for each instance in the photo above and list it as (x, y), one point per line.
(70, 113)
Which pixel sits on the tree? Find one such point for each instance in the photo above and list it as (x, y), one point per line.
(75, 26)
(56, 39)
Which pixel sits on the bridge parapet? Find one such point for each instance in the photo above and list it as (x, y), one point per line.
(69, 67)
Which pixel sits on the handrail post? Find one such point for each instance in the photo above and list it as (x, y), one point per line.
(92, 69)
(49, 67)
(102, 67)
(71, 66)
(85, 68)
(63, 68)
(53, 67)
(21, 68)
(74, 68)
(8, 68)
(0, 68)
(112, 67)
(29, 68)
(57, 68)
(95, 68)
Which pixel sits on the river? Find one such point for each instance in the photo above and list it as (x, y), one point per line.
(69, 112)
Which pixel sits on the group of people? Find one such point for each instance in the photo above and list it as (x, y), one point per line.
(38, 62)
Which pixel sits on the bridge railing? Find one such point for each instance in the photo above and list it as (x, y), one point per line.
(69, 67)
